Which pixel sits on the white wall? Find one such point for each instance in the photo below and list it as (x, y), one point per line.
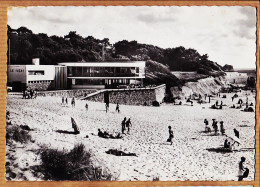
(49, 72)
(20, 73)
(16, 73)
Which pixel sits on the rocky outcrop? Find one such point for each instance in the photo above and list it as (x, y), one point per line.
(209, 86)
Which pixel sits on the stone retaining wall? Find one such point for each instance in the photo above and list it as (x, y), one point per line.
(66, 93)
(138, 96)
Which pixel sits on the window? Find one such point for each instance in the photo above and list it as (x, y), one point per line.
(36, 72)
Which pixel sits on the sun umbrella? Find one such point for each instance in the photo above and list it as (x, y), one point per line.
(234, 138)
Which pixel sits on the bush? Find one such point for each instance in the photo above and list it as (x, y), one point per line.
(17, 134)
(155, 103)
(72, 165)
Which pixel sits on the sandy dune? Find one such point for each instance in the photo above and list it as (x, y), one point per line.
(187, 159)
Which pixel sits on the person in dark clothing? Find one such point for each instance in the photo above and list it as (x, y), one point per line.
(73, 102)
(66, 100)
(170, 134)
(241, 168)
(245, 175)
(236, 133)
(86, 106)
(207, 129)
(128, 124)
(215, 126)
(117, 107)
(107, 107)
(222, 129)
(123, 125)
(62, 100)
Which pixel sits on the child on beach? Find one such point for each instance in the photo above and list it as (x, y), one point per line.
(170, 134)
(207, 129)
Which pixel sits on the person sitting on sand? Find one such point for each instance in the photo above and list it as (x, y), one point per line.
(241, 168)
(180, 103)
(207, 129)
(222, 130)
(245, 175)
(251, 104)
(170, 134)
(226, 144)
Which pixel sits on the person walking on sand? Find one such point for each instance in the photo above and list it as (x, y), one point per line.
(117, 107)
(241, 168)
(62, 100)
(107, 107)
(73, 102)
(66, 100)
(123, 125)
(86, 106)
(215, 126)
(128, 124)
(170, 134)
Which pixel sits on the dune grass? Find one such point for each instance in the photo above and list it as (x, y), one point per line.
(71, 165)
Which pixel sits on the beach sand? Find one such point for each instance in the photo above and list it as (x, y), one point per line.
(188, 158)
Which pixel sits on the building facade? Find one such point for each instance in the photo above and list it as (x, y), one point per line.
(101, 74)
(79, 75)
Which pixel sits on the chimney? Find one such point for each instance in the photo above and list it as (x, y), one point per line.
(36, 61)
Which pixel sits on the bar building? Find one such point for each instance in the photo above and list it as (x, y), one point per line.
(75, 75)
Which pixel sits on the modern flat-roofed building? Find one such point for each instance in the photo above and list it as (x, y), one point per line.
(75, 75)
(100, 74)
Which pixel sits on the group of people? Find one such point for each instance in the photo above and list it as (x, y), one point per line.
(126, 124)
(214, 126)
(64, 100)
(29, 94)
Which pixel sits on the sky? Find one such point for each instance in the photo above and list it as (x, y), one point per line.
(226, 34)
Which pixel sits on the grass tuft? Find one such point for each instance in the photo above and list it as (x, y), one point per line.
(73, 165)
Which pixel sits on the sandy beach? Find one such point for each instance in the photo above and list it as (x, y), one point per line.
(188, 158)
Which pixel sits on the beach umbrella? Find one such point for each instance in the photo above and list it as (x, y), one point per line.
(234, 138)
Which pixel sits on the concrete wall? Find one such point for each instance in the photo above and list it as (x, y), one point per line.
(135, 96)
(66, 93)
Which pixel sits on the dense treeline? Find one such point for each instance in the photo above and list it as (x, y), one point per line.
(25, 45)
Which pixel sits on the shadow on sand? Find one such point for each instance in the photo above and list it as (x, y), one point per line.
(219, 150)
(65, 132)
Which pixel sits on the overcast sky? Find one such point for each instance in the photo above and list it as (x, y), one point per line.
(226, 34)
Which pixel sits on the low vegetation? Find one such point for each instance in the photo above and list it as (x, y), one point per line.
(70, 165)
(16, 133)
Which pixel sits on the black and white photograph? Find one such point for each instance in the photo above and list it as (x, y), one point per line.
(131, 93)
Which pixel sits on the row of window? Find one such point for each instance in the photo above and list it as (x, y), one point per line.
(104, 71)
(45, 81)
